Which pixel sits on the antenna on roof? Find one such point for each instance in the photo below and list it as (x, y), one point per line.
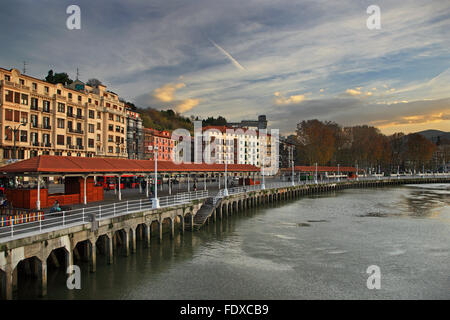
(24, 67)
(78, 74)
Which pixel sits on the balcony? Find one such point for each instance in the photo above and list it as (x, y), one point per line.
(59, 97)
(46, 110)
(46, 144)
(79, 116)
(72, 130)
(71, 146)
(46, 127)
(35, 143)
(79, 147)
(34, 108)
(71, 115)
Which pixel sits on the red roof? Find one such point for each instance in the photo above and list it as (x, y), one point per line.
(60, 164)
(320, 168)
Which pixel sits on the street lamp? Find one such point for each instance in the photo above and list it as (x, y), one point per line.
(339, 175)
(225, 191)
(118, 143)
(357, 175)
(292, 160)
(14, 130)
(315, 177)
(155, 199)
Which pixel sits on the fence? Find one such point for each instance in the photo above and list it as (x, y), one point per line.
(64, 219)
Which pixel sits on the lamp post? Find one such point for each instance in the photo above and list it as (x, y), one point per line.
(118, 143)
(155, 153)
(14, 130)
(357, 171)
(315, 176)
(225, 191)
(339, 175)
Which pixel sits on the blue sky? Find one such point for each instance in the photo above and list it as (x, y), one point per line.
(291, 60)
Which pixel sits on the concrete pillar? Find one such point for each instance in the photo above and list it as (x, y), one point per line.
(160, 230)
(172, 228)
(204, 181)
(192, 222)
(109, 248)
(126, 243)
(43, 278)
(148, 234)
(6, 286)
(133, 240)
(182, 225)
(93, 256)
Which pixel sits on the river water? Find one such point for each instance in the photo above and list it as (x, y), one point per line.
(316, 247)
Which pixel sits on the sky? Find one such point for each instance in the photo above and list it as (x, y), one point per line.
(291, 60)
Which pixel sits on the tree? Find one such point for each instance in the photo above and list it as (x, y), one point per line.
(94, 83)
(419, 150)
(317, 142)
(55, 78)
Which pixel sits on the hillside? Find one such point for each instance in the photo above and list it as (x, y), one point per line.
(432, 135)
(164, 120)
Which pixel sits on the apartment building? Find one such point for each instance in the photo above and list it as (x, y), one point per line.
(37, 117)
(135, 135)
(160, 139)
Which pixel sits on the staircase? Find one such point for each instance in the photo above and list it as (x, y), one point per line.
(204, 213)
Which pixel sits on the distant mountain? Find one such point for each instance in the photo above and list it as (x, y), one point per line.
(432, 135)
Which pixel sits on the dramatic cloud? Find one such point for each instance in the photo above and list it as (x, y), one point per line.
(281, 100)
(164, 98)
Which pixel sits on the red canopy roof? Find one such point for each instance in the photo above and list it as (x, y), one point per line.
(60, 164)
(320, 169)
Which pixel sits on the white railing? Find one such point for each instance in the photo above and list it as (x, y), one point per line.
(64, 219)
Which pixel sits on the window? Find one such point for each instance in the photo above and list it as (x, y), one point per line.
(117, 128)
(7, 78)
(46, 139)
(69, 125)
(61, 107)
(60, 139)
(34, 121)
(46, 106)
(46, 89)
(91, 128)
(111, 127)
(79, 127)
(111, 116)
(8, 134)
(91, 143)
(16, 116)
(118, 118)
(22, 82)
(99, 126)
(23, 136)
(99, 115)
(69, 141)
(98, 137)
(46, 122)
(70, 111)
(79, 142)
(58, 91)
(70, 95)
(110, 149)
(34, 86)
(8, 115)
(60, 123)
(9, 95)
(79, 98)
(89, 100)
(34, 138)
(91, 114)
(110, 138)
(34, 104)
(24, 117)
(24, 99)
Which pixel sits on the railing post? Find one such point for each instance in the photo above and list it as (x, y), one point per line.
(83, 214)
(114, 210)
(127, 206)
(40, 225)
(63, 217)
(140, 204)
(100, 211)
(12, 227)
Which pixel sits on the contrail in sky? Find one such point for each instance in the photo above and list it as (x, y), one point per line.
(229, 56)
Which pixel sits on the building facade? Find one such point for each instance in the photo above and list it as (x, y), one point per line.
(135, 135)
(162, 140)
(40, 118)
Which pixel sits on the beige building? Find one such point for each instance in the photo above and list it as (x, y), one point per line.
(77, 120)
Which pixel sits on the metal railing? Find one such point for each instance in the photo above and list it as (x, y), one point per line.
(64, 219)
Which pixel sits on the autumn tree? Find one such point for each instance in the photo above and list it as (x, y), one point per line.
(419, 150)
(316, 141)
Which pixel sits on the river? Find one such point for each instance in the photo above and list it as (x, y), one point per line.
(315, 247)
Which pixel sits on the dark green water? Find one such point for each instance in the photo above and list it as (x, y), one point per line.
(311, 248)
